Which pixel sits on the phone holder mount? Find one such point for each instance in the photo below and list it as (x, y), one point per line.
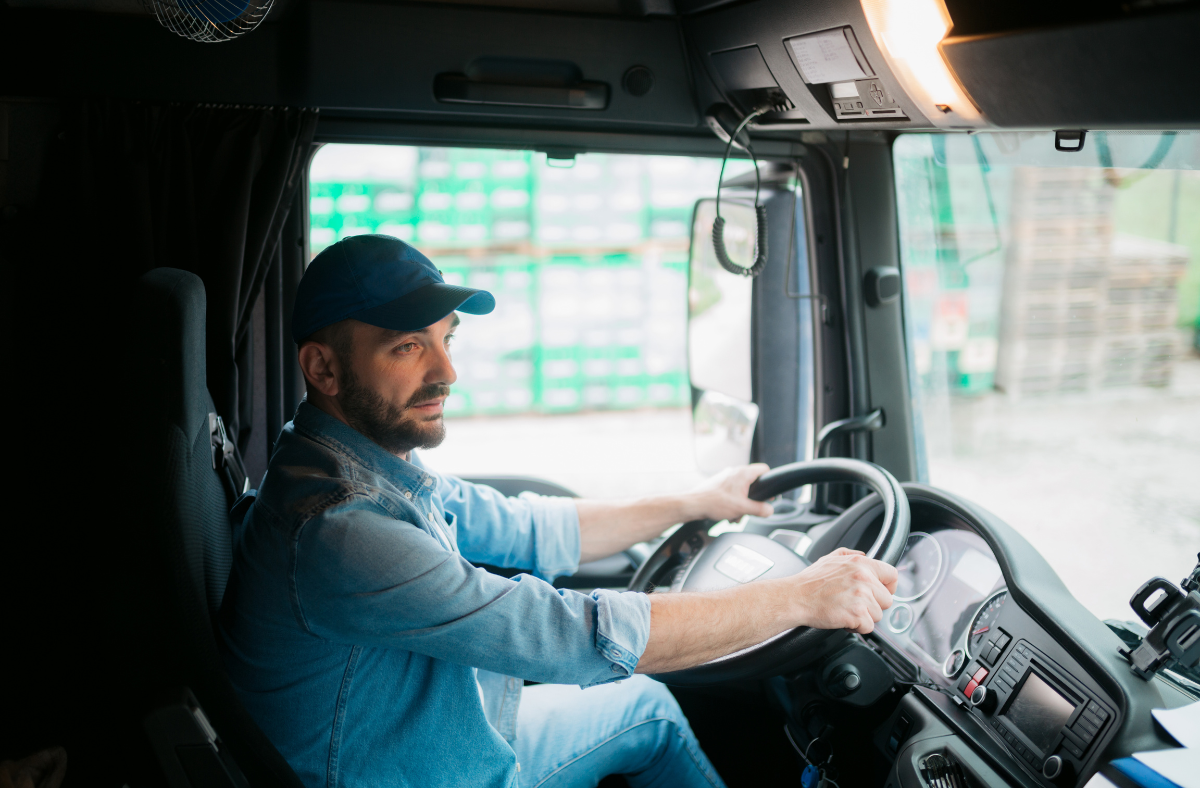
(1173, 615)
(760, 211)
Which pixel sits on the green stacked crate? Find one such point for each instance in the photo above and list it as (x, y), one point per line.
(471, 198)
(494, 355)
(604, 343)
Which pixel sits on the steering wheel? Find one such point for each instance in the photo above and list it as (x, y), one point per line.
(691, 560)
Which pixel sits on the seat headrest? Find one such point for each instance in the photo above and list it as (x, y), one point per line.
(169, 326)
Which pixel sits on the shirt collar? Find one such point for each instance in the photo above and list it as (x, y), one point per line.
(318, 425)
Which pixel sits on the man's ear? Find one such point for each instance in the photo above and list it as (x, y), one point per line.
(319, 364)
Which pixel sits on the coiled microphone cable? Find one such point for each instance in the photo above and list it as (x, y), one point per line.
(760, 211)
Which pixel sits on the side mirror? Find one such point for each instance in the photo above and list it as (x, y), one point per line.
(719, 309)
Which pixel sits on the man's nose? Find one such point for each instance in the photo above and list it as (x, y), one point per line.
(442, 369)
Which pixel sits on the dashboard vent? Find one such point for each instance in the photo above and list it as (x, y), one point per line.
(942, 771)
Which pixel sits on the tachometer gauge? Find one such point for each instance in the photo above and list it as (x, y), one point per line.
(918, 567)
(985, 621)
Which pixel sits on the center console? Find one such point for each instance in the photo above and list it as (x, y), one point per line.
(1039, 711)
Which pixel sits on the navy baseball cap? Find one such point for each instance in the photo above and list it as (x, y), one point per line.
(382, 281)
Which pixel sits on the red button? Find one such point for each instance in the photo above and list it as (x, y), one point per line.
(971, 685)
(980, 675)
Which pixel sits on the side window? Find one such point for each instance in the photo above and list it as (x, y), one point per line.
(580, 375)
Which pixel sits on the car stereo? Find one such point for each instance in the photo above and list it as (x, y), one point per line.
(1046, 718)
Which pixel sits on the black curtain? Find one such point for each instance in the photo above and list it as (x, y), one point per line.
(127, 187)
(208, 189)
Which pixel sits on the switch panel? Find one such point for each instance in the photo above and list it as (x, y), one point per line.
(863, 98)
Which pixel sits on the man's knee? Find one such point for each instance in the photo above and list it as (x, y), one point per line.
(653, 700)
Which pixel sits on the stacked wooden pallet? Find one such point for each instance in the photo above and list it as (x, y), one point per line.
(1083, 308)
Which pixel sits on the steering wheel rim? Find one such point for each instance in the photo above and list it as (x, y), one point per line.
(794, 648)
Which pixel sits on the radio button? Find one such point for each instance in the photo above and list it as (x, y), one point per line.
(1072, 747)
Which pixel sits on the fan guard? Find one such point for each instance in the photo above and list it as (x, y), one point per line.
(209, 21)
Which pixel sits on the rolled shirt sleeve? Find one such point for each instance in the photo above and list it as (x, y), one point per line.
(363, 577)
(537, 533)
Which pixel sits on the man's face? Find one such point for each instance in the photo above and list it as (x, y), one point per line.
(393, 386)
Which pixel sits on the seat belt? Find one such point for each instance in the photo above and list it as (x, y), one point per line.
(227, 460)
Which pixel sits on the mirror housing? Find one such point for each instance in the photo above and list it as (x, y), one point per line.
(722, 431)
(719, 348)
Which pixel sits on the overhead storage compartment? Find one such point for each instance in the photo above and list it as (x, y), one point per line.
(1117, 74)
(423, 60)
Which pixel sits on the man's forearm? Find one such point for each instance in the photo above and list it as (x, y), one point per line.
(843, 590)
(608, 527)
(690, 629)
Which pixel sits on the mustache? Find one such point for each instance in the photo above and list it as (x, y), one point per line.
(426, 393)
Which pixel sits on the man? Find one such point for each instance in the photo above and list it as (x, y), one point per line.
(372, 652)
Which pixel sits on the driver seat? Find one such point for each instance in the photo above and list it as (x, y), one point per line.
(202, 734)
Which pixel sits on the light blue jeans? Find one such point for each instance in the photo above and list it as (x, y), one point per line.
(571, 738)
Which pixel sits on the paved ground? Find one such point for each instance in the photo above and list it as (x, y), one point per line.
(1108, 489)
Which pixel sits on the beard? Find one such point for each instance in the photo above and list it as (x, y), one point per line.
(387, 424)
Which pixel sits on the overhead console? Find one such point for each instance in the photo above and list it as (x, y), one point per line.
(965, 65)
(823, 60)
(839, 74)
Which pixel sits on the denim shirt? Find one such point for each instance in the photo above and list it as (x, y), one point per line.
(367, 647)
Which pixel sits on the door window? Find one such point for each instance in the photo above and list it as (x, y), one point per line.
(580, 375)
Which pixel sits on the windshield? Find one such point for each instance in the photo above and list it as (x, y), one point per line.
(1051, 306)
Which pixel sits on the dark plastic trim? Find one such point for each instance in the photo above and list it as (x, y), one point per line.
(459, 89)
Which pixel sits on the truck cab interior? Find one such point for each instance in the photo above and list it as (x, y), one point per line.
(931, 223)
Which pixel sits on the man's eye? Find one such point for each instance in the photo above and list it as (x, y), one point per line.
(407, 347)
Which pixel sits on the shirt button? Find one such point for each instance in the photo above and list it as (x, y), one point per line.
(407, 494)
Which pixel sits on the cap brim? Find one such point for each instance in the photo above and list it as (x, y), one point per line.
(427, 305)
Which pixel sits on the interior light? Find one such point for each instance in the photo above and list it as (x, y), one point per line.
(908, 33)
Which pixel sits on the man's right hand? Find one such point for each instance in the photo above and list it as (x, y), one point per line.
(845, 590)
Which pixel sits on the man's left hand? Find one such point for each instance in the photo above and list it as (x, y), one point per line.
(723, 497)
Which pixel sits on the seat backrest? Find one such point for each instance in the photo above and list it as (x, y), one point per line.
(187, 517)
(174, 349)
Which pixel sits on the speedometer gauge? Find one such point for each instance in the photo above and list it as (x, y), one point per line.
(918, 567)
(985, 621)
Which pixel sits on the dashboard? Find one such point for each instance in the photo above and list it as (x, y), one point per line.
(985, 671)
(1005, 685)
(949, 594)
